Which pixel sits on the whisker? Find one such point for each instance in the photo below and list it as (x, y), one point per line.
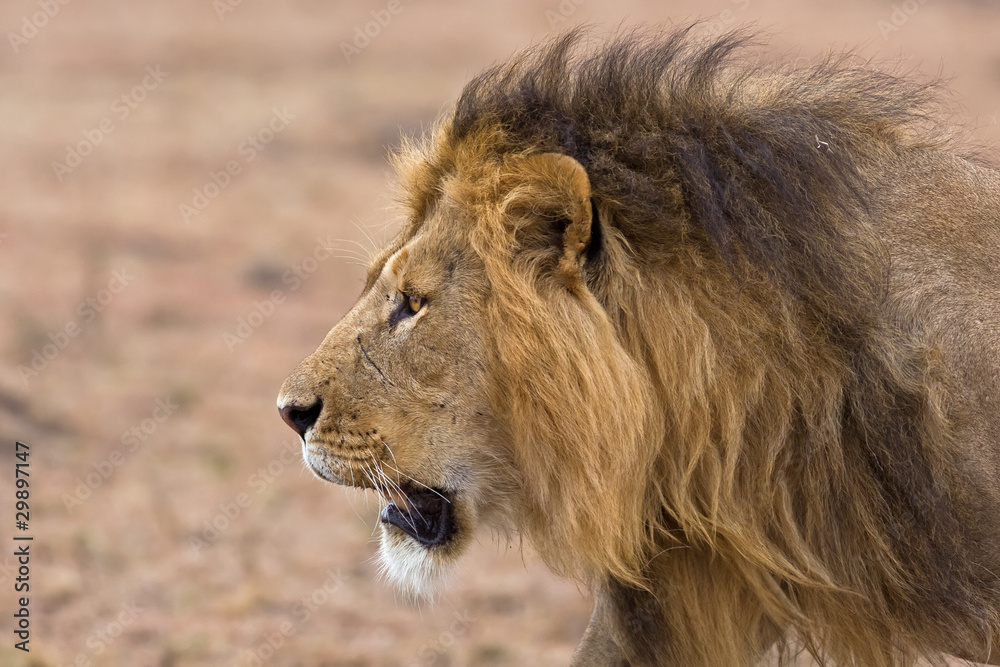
(350, 259)
(411, 509)
(365, 250)
(391, 485)
(434, 491)
(370, 476)
(360, 251)
(369, 237)
(354, 258)
(347, 492)
(377, 438)
(387, 447)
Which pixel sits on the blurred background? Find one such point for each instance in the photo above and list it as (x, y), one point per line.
(186, 192)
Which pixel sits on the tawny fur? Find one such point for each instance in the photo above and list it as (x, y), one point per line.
(731, 332)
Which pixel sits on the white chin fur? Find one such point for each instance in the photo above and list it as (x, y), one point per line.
(415, 571)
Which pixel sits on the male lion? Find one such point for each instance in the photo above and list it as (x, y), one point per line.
(721, 339)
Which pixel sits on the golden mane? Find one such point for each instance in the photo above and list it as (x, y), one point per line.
(729, 411)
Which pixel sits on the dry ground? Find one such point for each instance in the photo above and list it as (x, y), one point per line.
(118, 577)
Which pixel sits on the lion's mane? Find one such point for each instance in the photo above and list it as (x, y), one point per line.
(758, 439)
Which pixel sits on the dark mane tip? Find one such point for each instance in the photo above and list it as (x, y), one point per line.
(681, 135)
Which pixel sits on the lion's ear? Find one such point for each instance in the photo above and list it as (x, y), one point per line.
(568, 186)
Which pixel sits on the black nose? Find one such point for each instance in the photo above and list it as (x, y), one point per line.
(301, 417)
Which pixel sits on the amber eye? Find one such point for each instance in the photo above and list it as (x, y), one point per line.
(415, 303)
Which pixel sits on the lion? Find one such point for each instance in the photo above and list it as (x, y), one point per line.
(719, 338)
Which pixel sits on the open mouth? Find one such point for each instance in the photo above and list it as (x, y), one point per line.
(424, 514)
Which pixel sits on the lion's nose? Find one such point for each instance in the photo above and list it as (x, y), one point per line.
(301, 417)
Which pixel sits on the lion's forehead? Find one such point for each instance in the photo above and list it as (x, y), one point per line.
(439, 247)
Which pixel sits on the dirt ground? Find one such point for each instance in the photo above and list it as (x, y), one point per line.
(171, 173)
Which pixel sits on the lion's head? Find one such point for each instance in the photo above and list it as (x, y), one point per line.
(648, 310)
(474, 376)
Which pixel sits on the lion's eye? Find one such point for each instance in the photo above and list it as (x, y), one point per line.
(406, 307)
(415, 304)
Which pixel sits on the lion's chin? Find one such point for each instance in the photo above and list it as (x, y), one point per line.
(416, 570)
(424, 534)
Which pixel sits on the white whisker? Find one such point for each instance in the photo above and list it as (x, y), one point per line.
(375, 246)
(434, 491)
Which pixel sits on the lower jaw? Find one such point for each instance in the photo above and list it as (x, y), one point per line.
(427, 516)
